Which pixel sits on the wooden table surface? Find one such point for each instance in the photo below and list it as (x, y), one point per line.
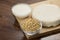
(9, 28)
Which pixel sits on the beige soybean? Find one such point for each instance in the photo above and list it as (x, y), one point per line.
(30, 25)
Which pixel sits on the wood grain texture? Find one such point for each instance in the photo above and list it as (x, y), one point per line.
(9, 28)
(43, 30)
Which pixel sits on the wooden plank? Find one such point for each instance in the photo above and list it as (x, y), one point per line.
(44, 30)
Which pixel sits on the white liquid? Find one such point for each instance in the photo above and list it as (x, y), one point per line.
(47, 13)
(21, 10)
